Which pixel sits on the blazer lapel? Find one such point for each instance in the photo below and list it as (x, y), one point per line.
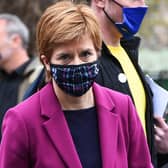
(57, 129)
(108, 127)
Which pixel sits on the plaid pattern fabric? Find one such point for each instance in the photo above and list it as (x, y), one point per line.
(75, 79)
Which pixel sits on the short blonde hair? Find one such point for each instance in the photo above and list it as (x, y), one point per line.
(65, 21)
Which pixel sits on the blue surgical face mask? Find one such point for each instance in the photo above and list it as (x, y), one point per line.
(132, 19)
(75, 80)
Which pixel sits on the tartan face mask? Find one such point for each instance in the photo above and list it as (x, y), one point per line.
(75, 80)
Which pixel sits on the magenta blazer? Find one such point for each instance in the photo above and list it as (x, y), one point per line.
(36, 134)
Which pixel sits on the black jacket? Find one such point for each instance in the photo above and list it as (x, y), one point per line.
(110, 69)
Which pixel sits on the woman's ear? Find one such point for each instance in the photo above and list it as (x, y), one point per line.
(45, 62)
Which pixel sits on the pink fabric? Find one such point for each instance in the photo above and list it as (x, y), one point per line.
(36, 134)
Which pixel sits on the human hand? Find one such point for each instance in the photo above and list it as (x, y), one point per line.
(161, 135)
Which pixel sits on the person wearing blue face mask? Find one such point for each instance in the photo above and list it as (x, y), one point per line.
(120, 20)
(132, 18)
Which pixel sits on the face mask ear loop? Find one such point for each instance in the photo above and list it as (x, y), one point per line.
(118, 3)
(108, 16)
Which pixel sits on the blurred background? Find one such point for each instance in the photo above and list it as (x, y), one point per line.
(154, 32)
(154, 46)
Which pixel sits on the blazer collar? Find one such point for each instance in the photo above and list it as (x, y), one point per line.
(108, 125)
(57, 129)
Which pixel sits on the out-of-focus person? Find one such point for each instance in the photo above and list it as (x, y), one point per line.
(15, 65)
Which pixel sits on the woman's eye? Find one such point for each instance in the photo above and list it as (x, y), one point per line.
(86, 54)
(63, 57)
